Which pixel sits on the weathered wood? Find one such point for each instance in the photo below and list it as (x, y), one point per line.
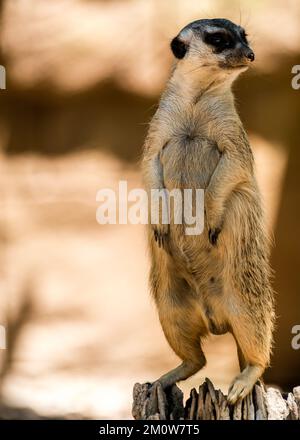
(296, 392)
(150, 402)
(260, 405)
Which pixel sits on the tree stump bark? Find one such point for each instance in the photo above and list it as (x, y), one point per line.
(150, 402)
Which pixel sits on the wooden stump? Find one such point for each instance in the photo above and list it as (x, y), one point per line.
(150, 402)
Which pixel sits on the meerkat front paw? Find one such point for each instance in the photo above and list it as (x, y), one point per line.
(214, 219)
(161, 233)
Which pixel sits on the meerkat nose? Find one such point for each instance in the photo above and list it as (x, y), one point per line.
(250, 55)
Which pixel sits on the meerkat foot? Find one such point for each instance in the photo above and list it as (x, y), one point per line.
(243, 383)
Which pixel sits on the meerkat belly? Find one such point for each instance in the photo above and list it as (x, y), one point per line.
(207, 283)
(189, 162)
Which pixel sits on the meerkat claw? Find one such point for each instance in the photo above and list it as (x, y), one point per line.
(238, 390)
(213, 235)
(160, 238)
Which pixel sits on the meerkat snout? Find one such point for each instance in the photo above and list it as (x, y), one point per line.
(249, 54)
(217, 43)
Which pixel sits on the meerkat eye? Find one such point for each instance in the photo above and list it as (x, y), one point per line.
(215, 39)
(219, 40)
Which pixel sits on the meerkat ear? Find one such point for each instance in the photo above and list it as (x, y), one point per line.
(181, 43)
(179, 47)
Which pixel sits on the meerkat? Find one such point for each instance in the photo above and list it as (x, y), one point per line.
(220, 280)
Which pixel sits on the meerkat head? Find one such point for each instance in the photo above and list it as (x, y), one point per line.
(216, 47)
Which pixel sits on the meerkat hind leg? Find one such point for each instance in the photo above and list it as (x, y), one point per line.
(252, 362)
(249, 374)
(185, 370)
(241, 358)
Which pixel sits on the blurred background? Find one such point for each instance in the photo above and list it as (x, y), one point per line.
(83, 80)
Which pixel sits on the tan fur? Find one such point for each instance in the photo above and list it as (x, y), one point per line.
(196, 140)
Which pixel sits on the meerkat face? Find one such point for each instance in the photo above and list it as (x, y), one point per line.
(217, 45)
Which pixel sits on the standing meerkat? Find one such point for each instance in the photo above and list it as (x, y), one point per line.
(218, 281)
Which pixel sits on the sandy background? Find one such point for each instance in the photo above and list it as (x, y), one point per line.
(83, 78)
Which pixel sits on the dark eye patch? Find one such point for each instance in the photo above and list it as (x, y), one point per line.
(219, 40)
